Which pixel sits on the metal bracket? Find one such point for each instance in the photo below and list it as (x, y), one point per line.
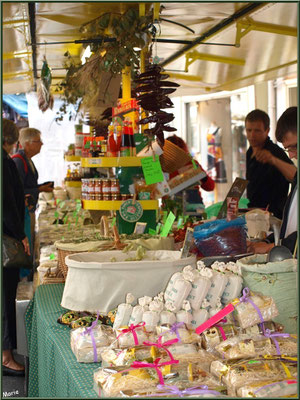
(192, 56)
(248, 24)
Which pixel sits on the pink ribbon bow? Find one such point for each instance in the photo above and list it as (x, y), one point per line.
(164, 345)
(132, 329)
(219, 325)
(156, 364)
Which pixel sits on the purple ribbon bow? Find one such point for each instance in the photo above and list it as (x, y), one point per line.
(89, 331)
(272, 336)
(174, 390)
(246, 298)
(174, 329)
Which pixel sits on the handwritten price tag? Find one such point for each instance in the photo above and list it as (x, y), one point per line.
(152, 170)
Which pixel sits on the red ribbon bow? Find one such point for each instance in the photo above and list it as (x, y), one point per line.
(132, 329)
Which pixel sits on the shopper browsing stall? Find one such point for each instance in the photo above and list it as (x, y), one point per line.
(268, 169)
(31, 143)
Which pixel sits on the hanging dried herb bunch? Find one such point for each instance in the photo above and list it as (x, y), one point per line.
(97, 82)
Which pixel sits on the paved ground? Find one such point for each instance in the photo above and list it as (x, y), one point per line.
(13, 386)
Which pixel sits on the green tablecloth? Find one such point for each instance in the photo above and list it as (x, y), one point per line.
(53, 369)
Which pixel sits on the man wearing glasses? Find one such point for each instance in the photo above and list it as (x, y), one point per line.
(286, 133)
(31, 143)
(268, 169)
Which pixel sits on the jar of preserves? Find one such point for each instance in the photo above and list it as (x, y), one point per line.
(115, 186)
(124, 196)
(115, 196)
(106, 186)
(98, 186)
(106, 197)
(92, 196)
(91, 187)
(83, 186)
(98, 196)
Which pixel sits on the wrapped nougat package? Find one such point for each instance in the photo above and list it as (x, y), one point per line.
(88, 342)
(117, 381)
(249, 346)
(177, 331)
(271, 389)
(235, 373)
(252, 307)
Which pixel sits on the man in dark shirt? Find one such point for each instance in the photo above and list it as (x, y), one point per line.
(268, 169)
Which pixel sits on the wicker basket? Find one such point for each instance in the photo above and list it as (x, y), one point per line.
(62, 254)
(173, 157)
(49, 278)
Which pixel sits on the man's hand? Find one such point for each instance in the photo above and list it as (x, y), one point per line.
(264, 156)
(259, 247)
(26, 245)
(46, 188)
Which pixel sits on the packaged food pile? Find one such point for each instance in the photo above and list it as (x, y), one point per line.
(152, 348)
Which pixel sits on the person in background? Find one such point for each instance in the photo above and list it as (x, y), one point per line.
(268, 169)
(13, 225)
(206, 183)
(286, 133)
(31, 143)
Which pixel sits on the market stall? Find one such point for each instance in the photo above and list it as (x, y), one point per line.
(134, 296)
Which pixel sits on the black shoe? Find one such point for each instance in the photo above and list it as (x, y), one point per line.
(12, 372)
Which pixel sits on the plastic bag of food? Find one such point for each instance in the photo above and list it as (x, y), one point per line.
(124, 312)
(179, 287)
(221, 237)
(218, 283)
(200, 288)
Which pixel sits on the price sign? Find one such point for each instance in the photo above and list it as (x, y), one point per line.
(188, 241)
(168, 225)
(152, 170)
(94, 161)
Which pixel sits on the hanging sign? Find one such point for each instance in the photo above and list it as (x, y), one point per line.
(152, 170)
(131, 212)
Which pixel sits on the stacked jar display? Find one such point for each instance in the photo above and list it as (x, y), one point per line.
(100, 189)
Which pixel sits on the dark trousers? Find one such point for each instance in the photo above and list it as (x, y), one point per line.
(9, 285)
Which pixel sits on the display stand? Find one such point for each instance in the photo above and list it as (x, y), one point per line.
(149, 206)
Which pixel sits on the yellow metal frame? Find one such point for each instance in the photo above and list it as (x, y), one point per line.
(74, 184)
(16, 54)
(224, 85)
(72, 158)
(116, 204)
(192, 56)
(247, 25)
(111, 162)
